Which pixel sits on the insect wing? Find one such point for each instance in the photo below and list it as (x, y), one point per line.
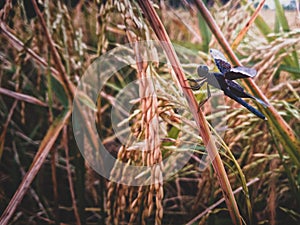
(264, 104)
(240, 72)
(237, 90)
(220, 60)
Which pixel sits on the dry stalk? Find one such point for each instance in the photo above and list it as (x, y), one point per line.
(102, 21)
(62, 72)
(4, 12)
(202, 126)
(72, 191)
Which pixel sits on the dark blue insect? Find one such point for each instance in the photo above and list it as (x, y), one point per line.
(224, 81)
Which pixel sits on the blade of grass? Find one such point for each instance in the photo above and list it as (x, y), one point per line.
(289, 69)
(281, 17)
(205, 33)
(291, 178)
(4, 127)
(161, 33)
(240, 174)
(68, 167)
(276, 25)
(53, 156)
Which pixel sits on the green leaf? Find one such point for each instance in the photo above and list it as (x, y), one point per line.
(60, 93)
(87, 101)
(281, 16)
(205, 33)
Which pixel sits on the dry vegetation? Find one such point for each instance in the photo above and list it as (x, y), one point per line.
(44, 179)
(292, 17)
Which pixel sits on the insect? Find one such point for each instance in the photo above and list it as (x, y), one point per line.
(224, 80)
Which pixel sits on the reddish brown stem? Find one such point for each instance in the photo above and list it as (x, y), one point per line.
(204, 131)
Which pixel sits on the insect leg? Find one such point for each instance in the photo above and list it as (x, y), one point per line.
(205, 100)
(197, 86)
(195, 80)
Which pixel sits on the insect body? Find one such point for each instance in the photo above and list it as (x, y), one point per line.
(225, 81)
